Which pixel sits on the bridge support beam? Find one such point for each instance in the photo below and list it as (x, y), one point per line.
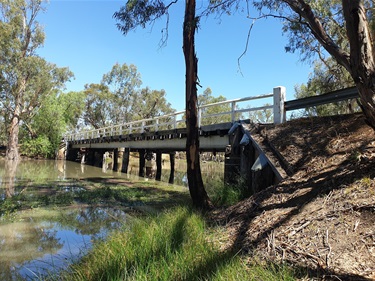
(246, 164)
(72, 153)
(119, 154)
(108, 160)
(142, 162)
(232, 168)
(158, 165)
(125, 160)
(172, 156)
(248, 157)
(90, 157)
(98, 158)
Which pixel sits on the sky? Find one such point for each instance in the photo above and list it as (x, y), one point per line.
(83, 36)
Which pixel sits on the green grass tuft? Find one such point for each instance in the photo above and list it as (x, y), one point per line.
(168, 246)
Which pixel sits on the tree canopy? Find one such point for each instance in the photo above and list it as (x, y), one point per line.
(341, 29)
(119, 98)
(26, 79)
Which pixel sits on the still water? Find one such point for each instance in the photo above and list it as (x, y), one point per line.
(40, 240)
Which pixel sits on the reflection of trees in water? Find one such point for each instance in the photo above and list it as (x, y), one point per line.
(211, 170)
(92, 220)
(9, 178)
(29, 240)
(22, 242)
(19, 174)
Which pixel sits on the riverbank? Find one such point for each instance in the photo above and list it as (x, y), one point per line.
(318, 224)
(173, 245)
(321, 218)
(319, 221)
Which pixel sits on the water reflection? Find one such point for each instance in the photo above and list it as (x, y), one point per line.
(41, 241)
(37, 240)
(9, 178)
(212, 172)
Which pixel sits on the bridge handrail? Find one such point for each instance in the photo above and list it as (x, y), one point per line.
(140, 126)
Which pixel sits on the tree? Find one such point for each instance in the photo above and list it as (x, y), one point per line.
(150, 103)
(208, 98)
(25, 78)
(123, 81)
(139, 13)
(98, 105)
(321, 23)
(73, 105)
(262, 116)
(194, 175)
(327, 76)
(41, 138)
(118, 99)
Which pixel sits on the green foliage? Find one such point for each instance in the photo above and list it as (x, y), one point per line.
(42, 139)
(223, 194)
(98, 104)
(123, 81)
(150, 103)
(208, 98)
(26, 79)
(138, 13)
(72, 106)
(326, 78)
(119, 99)
(171, 246)
(37, 147)
(262, 116)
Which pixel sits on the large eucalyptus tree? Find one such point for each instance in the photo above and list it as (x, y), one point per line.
(139, 13)
(25, 78)
(344, 29)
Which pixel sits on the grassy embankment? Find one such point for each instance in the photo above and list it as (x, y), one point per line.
(172, 244)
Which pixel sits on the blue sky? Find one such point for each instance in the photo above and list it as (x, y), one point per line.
(82, 36)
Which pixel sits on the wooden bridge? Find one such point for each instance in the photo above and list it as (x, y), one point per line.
(223, 131)
(167, 134)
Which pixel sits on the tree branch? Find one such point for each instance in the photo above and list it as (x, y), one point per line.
(304, 10)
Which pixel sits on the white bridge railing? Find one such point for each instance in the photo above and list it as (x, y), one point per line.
(230, 113)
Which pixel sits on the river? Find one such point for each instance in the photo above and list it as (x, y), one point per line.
(38, 238)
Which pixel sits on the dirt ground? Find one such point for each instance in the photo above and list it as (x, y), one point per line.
(321, 218)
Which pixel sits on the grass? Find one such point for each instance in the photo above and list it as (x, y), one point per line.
(170, 246)
(223, 194)
(174, 244)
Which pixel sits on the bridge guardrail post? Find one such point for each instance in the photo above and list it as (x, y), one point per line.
(233, 112)
(279, 115)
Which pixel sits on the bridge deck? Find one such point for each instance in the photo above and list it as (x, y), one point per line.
(213, 137)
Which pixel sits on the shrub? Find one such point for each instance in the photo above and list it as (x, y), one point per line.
(38, 147)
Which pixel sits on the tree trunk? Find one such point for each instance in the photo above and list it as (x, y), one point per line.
(362, 62)
(12, 146)
(367, 99)
(197, 192)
